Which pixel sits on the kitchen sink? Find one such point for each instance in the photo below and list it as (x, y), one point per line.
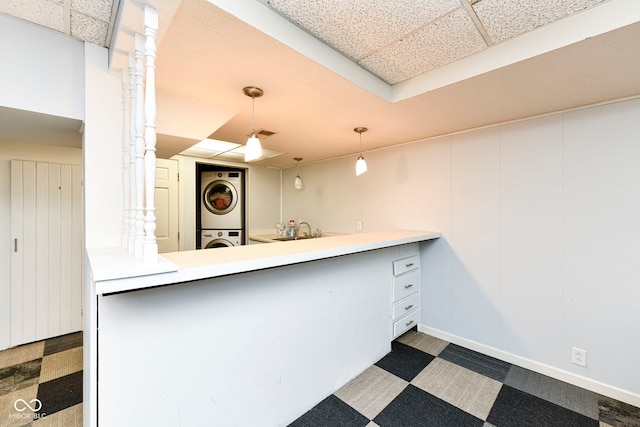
(287, 238)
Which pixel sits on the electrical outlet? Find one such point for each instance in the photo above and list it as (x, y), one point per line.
(579, 356)
(359, 225)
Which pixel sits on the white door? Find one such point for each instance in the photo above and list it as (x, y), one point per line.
(46, 261)
(166, 198)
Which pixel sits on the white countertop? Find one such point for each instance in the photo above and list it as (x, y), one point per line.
(177, 267)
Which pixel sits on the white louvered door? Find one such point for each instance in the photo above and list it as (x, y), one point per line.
(46, 262)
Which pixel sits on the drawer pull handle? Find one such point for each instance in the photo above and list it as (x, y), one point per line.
(410, 285)
(408, 323)
(409, 307)
(409, 265)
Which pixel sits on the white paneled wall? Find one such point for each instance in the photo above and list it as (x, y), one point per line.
(602, 240)
(541, 235)
(475, 235)
(531, 214)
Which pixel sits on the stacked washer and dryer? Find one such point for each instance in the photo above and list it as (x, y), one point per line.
(222, 209)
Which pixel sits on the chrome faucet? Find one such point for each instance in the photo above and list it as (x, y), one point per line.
(308, 226)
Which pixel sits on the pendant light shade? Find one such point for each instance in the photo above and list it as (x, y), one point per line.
(361, 164)
(297, 183)
(253, 149)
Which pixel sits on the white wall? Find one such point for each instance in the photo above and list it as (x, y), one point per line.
(102, 145)
(540, 233)
(41, 71)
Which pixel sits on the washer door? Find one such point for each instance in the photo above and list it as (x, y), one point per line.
(220, 197)
(218, 243)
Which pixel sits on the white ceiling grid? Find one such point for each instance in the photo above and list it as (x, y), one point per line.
(403, 39)
(87, 20)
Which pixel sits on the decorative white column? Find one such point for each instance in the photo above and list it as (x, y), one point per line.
(132, 153)
(126, 214)
(150, 31)
(139, 123)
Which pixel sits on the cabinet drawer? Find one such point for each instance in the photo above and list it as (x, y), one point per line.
(406, 264)
(406, 323)
(405, 285)
(405, 306)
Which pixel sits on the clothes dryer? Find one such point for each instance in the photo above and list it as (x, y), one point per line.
(220, 238)
(221, 200)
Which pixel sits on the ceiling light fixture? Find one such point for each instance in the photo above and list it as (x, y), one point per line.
(361, 165)
(297, 183)
(253, 149)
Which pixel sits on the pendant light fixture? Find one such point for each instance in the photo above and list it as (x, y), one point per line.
(253, 149)
(361, 165)
(297, 183)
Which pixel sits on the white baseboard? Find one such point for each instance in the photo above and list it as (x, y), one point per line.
(541, 368)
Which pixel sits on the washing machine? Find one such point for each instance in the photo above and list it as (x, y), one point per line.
(221, 200)
(220, 238)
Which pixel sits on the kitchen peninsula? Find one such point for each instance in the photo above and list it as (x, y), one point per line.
(247, 335)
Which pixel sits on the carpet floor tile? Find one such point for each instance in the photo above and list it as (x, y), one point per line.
(331, 412)
(517, 408)
(425, 381)
(563, 394)
(21, 354)
(370, 392)
(60, 393)
(404, 361)
(41, 383)
(423, 342)
(414, 407)
(58, 365)
(480, 363)
(472, 392)
(19, 376)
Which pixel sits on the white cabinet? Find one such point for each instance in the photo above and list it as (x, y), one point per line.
(405, 294)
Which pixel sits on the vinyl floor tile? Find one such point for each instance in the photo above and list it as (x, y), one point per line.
(517, 408)
(404, 361)
(472, 392)
(566, 395)
(618, 414)
(371, 391)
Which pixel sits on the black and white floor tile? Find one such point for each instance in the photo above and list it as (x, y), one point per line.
(426, 381)
(41, 383)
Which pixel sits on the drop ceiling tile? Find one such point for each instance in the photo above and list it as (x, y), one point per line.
(357, 28)
(448, 39)
(84, 27)
(504, 20)
(46, 13)
(98, 9)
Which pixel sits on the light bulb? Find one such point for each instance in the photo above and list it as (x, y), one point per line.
(253, 150)
(361, 166)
